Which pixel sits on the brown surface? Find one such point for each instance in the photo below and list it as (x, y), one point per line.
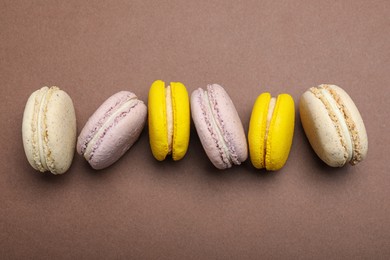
(141, 208)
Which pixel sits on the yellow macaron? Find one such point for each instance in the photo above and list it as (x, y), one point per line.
(271, 130)
(169, 120)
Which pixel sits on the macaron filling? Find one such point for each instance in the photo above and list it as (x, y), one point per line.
(102, 120)
(41, 151)
(341, 120)
(41, 129)
(96, 137)
(43, 160)
(215, 125)
(223, 147)
(169, 113)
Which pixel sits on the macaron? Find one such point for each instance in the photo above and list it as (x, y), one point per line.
(218, 126)
(168, 120)
(112, 129)
(49, 130)
(271, 130)
(333, 125)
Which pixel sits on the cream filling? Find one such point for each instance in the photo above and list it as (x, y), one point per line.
(41, 129)
(341, 120)
(271, 108)
(91, 144)
(169, 111)
(215, 125)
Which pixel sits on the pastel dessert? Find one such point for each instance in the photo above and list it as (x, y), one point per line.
(112, 129)
(49, 130)
(271, 130)
(219, 126)
(169, 120)
(333, 125)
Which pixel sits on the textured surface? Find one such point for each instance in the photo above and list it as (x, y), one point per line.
(181, 120)
(142, 208)
(157, 118)
(219, 126)
(112, 129)
(336, 132)
(49, 130)
(280, 133)
(257, 129)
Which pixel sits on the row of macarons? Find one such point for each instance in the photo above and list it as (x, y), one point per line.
(330, 119)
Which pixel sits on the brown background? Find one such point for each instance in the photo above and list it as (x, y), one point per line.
(141, 208)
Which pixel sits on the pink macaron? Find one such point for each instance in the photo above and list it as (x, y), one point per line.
(219, 126)
(112, 129)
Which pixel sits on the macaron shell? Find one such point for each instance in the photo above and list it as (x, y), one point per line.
(356, 118)
(29, 130)
(181, 117)
(119, 137)
(61, 131)
(280, 133)
(157, 118)
(320, 130)
(58, 131)
(257, 128)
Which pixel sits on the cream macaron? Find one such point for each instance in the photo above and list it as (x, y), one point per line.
(49, 130)
(333, 125)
